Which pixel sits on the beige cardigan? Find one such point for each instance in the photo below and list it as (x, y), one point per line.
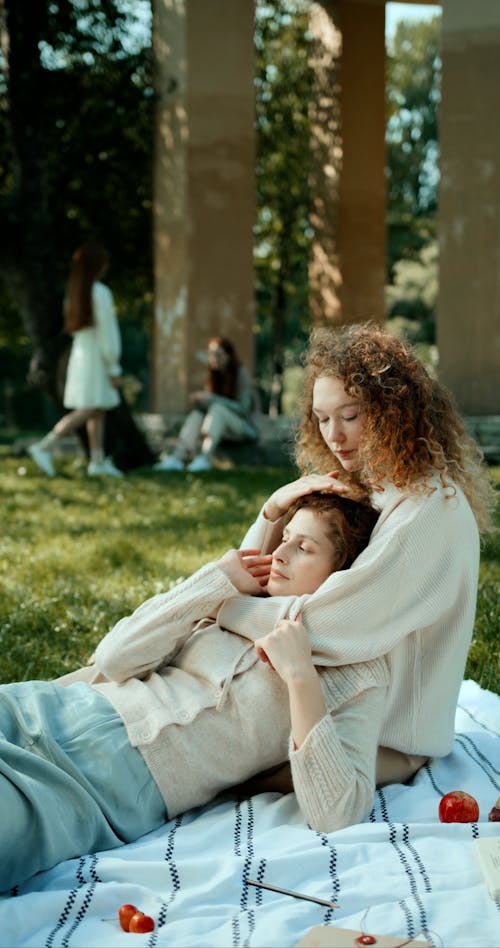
(410, 595)
(206, 714)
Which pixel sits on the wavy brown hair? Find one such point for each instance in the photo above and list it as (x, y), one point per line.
(411, 426)
(88, 263)
(349, 522)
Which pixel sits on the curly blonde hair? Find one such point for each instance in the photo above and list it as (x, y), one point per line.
(411, 429)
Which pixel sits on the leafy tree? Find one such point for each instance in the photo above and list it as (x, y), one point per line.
(282, 229)
(412, 296)
(76, 131)
(75, 159)
(76, 139)
(413, 94)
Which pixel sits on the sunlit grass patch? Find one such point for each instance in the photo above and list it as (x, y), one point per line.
(76, 554)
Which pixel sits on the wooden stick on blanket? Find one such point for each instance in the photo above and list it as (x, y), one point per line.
(296, 895)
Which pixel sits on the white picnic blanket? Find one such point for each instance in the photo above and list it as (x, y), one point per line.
(400, 873)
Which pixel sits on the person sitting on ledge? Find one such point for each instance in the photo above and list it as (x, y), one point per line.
(225, 409)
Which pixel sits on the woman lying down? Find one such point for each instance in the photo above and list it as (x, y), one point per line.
(177, 709)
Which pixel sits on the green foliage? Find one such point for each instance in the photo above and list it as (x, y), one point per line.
(413, 94)
(77, 554)
(82, 77)
(412, 143)
(484, 656)
(283, 232)
(90, 97)
(413, 294)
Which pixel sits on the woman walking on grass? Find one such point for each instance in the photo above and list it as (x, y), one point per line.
(94, 371)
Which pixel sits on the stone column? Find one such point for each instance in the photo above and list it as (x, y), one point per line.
(204, 189)
(468, 322)
(347, 273)
(170, 212)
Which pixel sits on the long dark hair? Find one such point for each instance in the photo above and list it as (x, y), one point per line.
(224, 382)
(88, 263)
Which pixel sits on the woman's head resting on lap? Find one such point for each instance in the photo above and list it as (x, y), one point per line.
(324, 533)
(371, 413)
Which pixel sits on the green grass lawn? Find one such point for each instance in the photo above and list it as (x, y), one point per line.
(76, 554)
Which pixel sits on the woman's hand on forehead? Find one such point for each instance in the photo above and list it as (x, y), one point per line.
(285, 496)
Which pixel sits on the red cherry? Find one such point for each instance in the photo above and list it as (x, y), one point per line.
(140, 923)
(125, 913)
(366, 940)
(458, 807)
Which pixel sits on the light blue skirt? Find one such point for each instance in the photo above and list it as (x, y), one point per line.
(70, 782)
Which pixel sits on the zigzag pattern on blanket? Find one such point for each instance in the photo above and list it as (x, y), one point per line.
(415, 876)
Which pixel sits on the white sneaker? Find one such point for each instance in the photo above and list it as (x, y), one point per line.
(42, 458)
(105, 468)
(170, 463)
(199, 463)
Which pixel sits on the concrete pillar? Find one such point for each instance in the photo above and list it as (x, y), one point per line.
(468, 323)
(170, 311)
(347, 273)
(204, 189)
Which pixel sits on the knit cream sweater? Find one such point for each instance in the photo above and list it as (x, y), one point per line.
(410, 595)
(206, 714)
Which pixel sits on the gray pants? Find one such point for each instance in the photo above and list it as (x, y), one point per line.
(205, 430)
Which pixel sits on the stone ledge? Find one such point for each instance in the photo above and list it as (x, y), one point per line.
(486, 430)
(276, 438)
(274, 446)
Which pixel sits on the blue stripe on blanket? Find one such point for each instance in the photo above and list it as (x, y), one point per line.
(417, 858)
(472, 716)
(332, 868)
(65, 914)
(174, 875)
(412, 928)
(80, 915)
(480, 759)
(428, 770)
(248, 914)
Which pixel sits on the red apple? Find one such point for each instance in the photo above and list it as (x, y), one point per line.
(140, 923)
(458, 807)
(125, 913)
(494, 814)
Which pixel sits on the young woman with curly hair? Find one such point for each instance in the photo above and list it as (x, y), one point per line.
(373, 419)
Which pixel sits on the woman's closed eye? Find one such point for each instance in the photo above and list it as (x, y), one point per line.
(300, 545)
(305, 547)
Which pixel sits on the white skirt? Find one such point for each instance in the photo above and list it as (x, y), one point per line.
(87, 381)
